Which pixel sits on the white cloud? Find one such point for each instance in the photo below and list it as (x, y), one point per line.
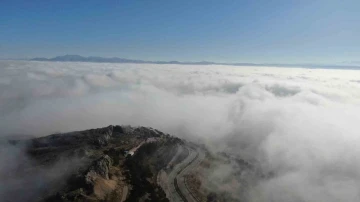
(301, 125)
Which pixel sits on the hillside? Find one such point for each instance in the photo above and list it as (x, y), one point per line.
(117, 163)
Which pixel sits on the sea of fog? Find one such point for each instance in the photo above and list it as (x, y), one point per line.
(302, 125)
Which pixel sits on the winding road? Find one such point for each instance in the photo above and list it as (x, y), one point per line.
(174, 183)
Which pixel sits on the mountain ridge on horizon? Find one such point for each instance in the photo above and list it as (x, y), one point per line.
(79, 58)
(97, 59)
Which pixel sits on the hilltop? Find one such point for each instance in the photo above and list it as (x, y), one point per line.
(116, 163)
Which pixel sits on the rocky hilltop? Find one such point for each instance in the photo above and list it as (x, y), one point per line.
(119, 163)
(115, 163)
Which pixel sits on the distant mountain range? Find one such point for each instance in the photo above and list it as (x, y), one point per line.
(78, 58)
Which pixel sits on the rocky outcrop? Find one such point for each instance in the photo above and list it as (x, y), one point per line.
(100, 168)
(103, 136)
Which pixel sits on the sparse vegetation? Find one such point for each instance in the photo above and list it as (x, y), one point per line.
(105, 167)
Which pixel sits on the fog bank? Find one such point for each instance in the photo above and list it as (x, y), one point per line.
(300, 124)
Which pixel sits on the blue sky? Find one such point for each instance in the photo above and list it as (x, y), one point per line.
(298, 31)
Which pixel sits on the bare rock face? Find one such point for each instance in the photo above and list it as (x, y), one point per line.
(102, 140)
(100, 168)
(104, 135)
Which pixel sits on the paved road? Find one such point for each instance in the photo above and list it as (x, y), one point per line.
(174, 184)
(181, 183)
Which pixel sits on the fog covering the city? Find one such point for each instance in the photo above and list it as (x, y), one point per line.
(302, 125)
